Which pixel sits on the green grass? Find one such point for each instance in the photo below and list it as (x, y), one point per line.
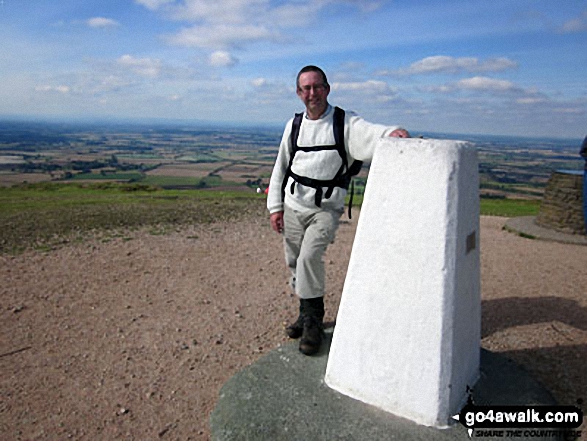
(509, 207)
(491, 207)
(45, 215)
(170, 181)
(183, 181)
(48, 196)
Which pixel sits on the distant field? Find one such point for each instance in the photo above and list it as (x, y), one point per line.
(196, 158)
(186, 182)
(8, 179)
(183, 170)
(80, 179)
(108, 176)
(140, 156)
(222, 157)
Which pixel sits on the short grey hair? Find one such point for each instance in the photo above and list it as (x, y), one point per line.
(311, 68)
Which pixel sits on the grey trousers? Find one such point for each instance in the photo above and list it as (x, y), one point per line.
(306, 237)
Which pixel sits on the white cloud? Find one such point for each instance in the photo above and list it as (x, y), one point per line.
(259, 82)
(365, 6)
(570, 110)
(127, 74)
(222, 24)
(153, 4)
(221, 11)
(220, 36)
(93, 82)
(147, 67)
(369, 86)
(492, 86)
(280, 14)
(531, 100)
(102, 22)
(485, 83)
(444, 88)
(578, 24)
(446, 64)
(369, 94)
(222, 59)
(270, 93)
(60, 89)
(105, 84)
(294, 14)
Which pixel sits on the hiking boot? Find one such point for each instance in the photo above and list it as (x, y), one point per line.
(296, 329)
(311, 336)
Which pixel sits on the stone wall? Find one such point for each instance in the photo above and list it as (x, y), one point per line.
(562, 205)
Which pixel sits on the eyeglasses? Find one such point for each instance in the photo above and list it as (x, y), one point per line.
(317, 88)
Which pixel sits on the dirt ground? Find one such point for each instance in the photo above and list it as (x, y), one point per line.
(132, 338)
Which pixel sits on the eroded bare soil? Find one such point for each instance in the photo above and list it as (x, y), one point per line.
(132, 338)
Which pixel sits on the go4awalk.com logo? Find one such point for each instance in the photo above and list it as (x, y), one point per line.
(521, 421)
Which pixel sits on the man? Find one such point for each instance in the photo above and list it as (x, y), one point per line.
(307, 193)
(583, 153)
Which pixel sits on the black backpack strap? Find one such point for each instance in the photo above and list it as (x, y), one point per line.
(351, 198)
(338, 123)
(355, 168)
(295, 132)
(338, 131)
(347, 172)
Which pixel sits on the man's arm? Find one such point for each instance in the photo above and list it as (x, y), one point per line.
(274, 196)
(361, 136)
(584, 149)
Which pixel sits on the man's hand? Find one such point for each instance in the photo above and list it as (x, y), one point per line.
(400, 133)
(277, 221)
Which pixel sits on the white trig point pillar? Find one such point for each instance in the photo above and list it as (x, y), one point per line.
(407, 336)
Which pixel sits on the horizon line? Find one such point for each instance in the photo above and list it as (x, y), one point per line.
(209, 124)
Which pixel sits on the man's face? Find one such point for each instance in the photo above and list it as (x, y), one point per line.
(313, 93)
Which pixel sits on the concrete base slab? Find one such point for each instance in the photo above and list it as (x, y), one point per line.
(526, 226)
(283, 397)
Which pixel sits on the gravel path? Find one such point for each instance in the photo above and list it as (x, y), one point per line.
(132, 338)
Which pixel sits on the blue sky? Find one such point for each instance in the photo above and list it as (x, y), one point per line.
(499, 67)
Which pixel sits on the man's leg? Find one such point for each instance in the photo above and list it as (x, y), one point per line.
(293, 236)
(320, 231)
(306, 237)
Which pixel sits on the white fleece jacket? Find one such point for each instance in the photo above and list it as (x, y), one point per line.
(360, 137)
